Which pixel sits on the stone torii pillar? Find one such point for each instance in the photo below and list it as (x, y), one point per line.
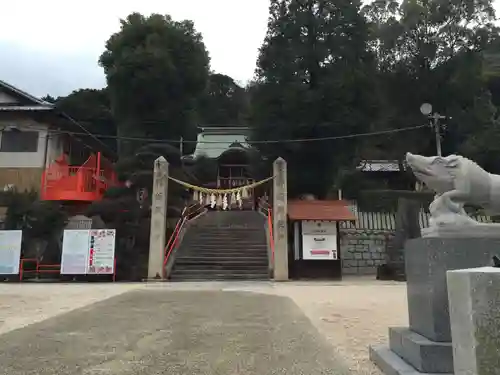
(280, 225)
(157, 237)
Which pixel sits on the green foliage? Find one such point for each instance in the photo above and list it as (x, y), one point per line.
(138, 167)
(224, 103)
(92, 109)
(157, 70)
(18, 206)
(313, 81)
(37, 218)
(432, 51)
(42, 223)
(388, 200)
(205, 170)
(49, 99)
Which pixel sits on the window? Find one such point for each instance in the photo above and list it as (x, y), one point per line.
(19, 141)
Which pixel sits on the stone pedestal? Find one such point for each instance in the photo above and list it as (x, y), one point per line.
(425, 347)
(474, 300)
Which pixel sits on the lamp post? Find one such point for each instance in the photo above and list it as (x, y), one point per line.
(426, 110)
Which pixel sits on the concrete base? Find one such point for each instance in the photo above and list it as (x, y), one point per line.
(155, 280)
(427, 261)
(423, 354)
(474, 299)
(391, 364)
(425, 347)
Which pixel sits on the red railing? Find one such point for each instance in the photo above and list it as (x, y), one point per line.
(188, 213)
(60, 181)
(46, 268)
(39, 268)
(266, 209)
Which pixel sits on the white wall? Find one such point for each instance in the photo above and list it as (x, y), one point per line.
(214, 150)
(4, 98)
(33, 159)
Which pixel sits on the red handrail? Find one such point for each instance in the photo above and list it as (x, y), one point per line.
(173, 241)
(175, 237)
(177, 227)
(265, 206)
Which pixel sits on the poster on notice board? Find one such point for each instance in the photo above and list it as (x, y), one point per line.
(75, 252)
(10, 251)
(101, 252)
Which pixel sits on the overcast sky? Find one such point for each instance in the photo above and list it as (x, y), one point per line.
(52, 46)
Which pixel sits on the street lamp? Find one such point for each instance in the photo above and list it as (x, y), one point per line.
(426, 110)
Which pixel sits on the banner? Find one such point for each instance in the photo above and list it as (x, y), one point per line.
(88, 252)
(10, 251)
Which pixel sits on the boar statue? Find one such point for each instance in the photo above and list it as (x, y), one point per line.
(457, 181)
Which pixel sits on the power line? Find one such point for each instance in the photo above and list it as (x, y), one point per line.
(86, 132)
(318, 139)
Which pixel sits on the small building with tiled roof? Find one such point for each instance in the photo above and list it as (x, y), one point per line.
(316, 237)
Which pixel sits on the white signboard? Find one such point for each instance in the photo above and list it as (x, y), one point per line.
(319, 227)
(88, 252)
(75, 252)
(317, 247)
(10, 251)
(101, 251)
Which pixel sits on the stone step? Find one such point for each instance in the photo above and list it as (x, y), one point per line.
(247, 261)
(205, 271)
(221, 274)
(215, 237)
(227, 231)
(223, 251)
(221, 257)
(240, 269)
(219, 277)
(224, 245)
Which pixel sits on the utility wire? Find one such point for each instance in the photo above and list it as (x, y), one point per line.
(156, 140)
(86, 132)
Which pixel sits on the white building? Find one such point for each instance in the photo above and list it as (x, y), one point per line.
(32, 136)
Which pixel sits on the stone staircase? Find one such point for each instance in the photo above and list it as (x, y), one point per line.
(223, 245)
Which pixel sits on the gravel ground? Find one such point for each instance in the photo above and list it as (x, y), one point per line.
(351, 314)
(178, 333)
(28, 303)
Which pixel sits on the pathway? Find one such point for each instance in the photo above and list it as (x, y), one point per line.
(180, 332)
(350, 314)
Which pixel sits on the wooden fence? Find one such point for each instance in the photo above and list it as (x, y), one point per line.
(386, 221)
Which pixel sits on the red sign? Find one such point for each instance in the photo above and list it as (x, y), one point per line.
(320, 252)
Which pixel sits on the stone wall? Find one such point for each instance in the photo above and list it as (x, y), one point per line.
(362, 252)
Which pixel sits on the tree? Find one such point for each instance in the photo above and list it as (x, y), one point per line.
(157, 70)
(224, 102)
(92, 109)
(431, 51)
(313, 81)
(49, 99)
(42, 223)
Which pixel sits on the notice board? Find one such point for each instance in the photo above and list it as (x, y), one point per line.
(88, 252)
(10, 251)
